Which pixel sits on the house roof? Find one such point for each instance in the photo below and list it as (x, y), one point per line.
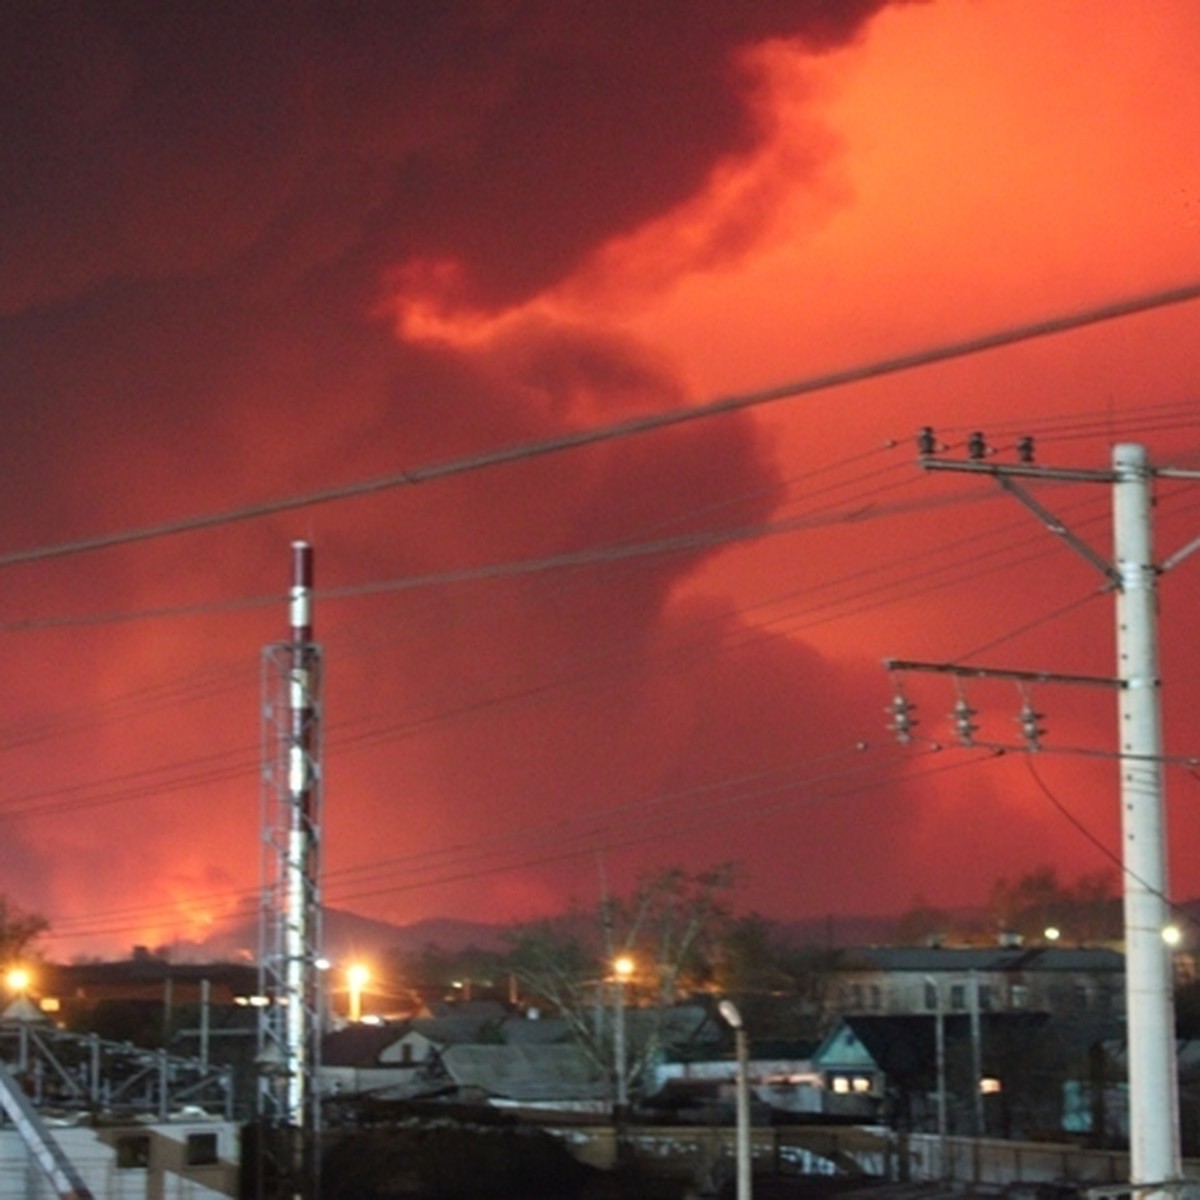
(358, 1045)
(528, 1073)
(542, 1031)
(454, 1030)
(933, 959)
(905, 1046)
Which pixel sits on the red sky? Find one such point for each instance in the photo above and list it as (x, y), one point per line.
(247, 258)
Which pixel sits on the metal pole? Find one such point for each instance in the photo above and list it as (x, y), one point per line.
(619, 1055)
(1153, 1085)
(40, 1141)
(296, 919)
(744, 1176)
(939, 1034)
(977, 1056)
(732, 1016)
(205, 1002)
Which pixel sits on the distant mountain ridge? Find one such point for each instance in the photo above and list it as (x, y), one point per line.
(348, 935)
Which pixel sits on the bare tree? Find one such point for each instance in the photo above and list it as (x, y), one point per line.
(18, 931)
(669, 930)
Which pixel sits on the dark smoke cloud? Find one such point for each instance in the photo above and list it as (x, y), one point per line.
(157, 141)
(201, 208)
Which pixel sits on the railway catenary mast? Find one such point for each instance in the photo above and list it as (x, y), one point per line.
(290, 933)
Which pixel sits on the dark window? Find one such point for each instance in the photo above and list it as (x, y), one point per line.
(201, 1149)
(133, 1152)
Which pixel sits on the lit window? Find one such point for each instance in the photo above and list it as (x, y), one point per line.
(841, 1084)
(861, 1084)
(990, 1086)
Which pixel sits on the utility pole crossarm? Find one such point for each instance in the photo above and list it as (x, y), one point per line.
(1004, 474)
(965, 671)
(1056, 526)
(1183, 552)
(975, 466)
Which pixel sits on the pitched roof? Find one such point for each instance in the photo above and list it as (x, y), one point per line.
(933, 959)
(905, 1046)
(358, 1045)
(529, 1073)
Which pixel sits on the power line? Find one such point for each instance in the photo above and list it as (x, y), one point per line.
(463, 862)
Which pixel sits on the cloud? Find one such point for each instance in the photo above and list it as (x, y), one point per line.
(180, 141)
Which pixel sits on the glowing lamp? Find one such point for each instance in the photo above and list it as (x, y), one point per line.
(18, 980)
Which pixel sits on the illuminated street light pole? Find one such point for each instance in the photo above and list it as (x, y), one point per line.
(622, 970)
(356, 977)
(19, 980)
(733, 1017)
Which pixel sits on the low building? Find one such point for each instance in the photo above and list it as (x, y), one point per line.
(899, 980)
(1003, 1074)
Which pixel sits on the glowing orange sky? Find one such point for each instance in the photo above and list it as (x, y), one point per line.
(493, 746)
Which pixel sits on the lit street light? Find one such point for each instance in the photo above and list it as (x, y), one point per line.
(356, 976)
(18, 980)
(729, 1011)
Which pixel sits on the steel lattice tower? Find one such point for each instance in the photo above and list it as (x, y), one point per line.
(290, 926)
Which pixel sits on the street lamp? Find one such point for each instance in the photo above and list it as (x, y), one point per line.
(622, 971)
(356, 977)
(18, 980)
(733, 1018)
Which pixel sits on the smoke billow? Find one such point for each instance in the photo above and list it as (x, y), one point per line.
(205, 214)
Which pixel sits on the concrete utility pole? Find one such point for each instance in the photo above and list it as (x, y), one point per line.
(1153, 1076)
(1155, 1165)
